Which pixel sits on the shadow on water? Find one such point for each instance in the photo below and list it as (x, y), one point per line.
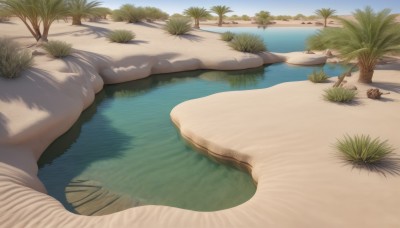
(64, 142)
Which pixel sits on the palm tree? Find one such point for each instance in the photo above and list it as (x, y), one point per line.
(197, 13)
(325, 13)
(220, 11)
(34, 13)
(263, 18)
(368, 38)
(81, 8)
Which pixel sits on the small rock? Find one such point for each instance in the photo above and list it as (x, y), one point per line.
(348, 74)
(328, 53)
(374, 94)
(349, 86)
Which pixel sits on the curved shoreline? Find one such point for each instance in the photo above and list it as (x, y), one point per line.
(45, 102)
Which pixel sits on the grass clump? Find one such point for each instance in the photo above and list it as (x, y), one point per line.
(120, 36)
(246, 42)
(13, 60)
(57, 48)
(318, 77)
(339, 94)
(178, 26)
(227, 36)
(362, 149)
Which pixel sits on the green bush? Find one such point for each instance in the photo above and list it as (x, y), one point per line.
(340, 94)
(13, 60)
(117, 15)
(318, 77)
(132, 14)
(246, 42)
(121, 36)
(178, 26)
(57, 48)
(363, 150)
(227, 36)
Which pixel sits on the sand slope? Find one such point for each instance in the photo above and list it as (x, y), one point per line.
(45, 101)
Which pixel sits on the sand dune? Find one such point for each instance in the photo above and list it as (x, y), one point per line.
(299, 183)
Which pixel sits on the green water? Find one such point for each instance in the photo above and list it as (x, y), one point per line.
(277, 39)
(127, 142)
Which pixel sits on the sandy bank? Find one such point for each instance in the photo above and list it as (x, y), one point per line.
(286, 134)
(45, 101)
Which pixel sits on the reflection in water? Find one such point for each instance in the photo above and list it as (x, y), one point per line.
(236, 79)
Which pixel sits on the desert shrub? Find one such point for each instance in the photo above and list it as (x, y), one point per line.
(178, 26)
(227, 36)
(13, 60)
(120, 36)
(132, 14)
(246, 42)
(57, 48)
(362, 149)
(318, 77)
(117, 16)
(339, 94)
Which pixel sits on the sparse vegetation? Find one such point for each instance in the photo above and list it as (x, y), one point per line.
(325, 13)
(79, 9)
(197, 13)
(36, 14)
(13, 60)
(57, 48)
(130, 13)
(120, 36)
(178, 26)
(227, 36)
(263, 18)
(102, 12)
(318, 77)
(152, 14)
(339, 94)
(362, 150)
(133, 14)
(220, 11)
(366, 39)
(246, 42)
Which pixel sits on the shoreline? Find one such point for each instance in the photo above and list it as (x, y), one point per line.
(73, 82)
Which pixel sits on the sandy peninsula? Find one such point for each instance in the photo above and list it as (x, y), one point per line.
(283, 133)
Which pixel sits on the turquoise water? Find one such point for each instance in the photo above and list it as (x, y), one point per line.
(277, 39)
(127, 143)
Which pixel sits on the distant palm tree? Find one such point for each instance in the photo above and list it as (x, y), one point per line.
(35, 13)
(81, 8)
(220, 11)
(325, 13)
(368, 38)
(197, 13)
(263, 18)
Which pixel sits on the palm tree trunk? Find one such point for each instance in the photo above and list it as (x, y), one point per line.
(45, 34)
(366, 74)
(220, 21)
(196, 23)
(76, 20)
(325, 22)
(34, 32)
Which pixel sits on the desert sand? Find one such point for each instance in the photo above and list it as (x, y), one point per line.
(283, 133)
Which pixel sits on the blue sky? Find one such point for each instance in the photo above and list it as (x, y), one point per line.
(276, 7)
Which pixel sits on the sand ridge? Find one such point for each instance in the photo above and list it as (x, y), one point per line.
(44, 103)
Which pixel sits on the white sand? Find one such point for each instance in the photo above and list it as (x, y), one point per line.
(284, 133)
